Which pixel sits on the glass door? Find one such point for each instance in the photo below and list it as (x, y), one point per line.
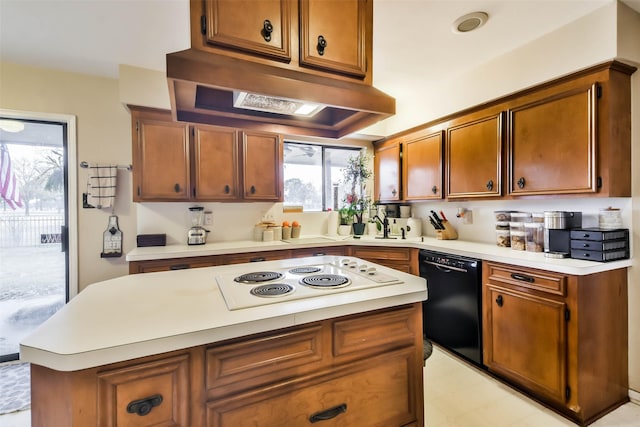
(34, 260)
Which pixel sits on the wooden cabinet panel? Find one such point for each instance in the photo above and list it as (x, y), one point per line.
(320, 251)
(333, 35)
(259, 27)
(376, 392)
(527, 340)
(148, 394)
(422, 167)
(160, 157)
(255, 256)
(215, 154)
(387, 171)
(403, 259)
(552, 144)
(474, 157)
(151, 266)
(364, 336)
(262, 166)
(250, 363)
(562, 338)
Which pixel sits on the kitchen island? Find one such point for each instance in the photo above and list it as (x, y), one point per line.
(165, 348)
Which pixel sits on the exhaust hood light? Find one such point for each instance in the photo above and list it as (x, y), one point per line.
(271, 104)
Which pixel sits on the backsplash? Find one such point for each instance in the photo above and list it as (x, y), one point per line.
(235, 221)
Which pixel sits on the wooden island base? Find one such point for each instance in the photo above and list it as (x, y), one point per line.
(352, 371)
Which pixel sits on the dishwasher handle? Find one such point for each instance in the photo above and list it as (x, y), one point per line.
(445, 268)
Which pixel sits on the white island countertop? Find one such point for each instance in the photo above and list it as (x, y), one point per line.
(144, 314)
(482, 251)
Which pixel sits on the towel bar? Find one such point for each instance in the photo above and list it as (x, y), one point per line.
(85, 165)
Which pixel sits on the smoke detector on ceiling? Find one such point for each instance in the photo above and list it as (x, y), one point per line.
(469, 22)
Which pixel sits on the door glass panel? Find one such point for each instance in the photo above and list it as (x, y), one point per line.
(33, 265)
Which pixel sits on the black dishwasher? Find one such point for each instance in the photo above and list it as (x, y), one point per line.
(452, 314)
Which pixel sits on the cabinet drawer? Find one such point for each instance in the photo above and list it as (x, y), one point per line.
(379, 392)
(255, 257)
(373, 253)
(362, 336)
(162, 383)
(321, 251)
(596, 245)
(261, 360)
(526, 278)
(586, 234)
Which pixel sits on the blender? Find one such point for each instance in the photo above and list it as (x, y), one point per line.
(197, 234)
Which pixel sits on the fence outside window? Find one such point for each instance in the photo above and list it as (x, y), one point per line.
(19, 230)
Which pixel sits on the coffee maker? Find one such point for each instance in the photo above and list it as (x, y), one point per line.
(557, 232)
(197, 234)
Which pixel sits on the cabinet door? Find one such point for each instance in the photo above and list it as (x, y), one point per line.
(386, 165)
(215, 152)
(422, 167)
(148, 394)
(333, 35)
(161, 160)
(258, 27)
(474, 157)
(552, 144)
(262, 166)
(525, 340)
(378, 392)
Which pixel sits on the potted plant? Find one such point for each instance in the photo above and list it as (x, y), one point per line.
(355, 177)
(345, 220)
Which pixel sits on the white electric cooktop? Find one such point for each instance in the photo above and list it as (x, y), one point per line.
(251, 288)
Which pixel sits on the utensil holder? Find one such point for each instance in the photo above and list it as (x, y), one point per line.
(449, 233)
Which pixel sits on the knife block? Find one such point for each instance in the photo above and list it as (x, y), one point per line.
(449, 233)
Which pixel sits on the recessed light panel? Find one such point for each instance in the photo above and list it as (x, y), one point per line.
(469, 22)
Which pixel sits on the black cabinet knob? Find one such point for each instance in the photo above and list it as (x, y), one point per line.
(434, 189)
(322, 44)
(499, 301)
(253, 189)
(267, 29)
(521, 182)
(490, 185)
(176, 188)
(227, 189)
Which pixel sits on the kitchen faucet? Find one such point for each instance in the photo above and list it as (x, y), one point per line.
(385, 227)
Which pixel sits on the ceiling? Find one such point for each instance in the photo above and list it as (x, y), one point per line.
(412, 38)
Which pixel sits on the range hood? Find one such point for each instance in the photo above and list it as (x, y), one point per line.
(203, 87)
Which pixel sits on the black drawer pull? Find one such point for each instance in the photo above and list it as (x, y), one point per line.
(180, 267)
(523, 277)
(257, 259)
(267, 29)
(322, 44)
(499, 301)
(328, 414)
(142, 407)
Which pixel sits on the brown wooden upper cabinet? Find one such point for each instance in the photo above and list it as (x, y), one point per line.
(178, 161)
(474, 155)
(386, 165)
(161, 157)
(422, 166)
(552, 143)
(331, 36)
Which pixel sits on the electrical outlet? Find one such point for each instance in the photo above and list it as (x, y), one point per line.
(208, 218)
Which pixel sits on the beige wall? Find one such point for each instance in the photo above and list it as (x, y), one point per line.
(103, 135)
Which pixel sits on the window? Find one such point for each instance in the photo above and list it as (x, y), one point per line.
(312, 175)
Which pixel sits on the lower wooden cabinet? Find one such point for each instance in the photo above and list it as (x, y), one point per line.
(359, 370)
(562, 338)
(376, 392)
(403, 259)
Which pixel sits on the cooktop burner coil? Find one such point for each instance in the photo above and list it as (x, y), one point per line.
(272, 290)
(326, 281)
(258, 277)
(305, 270)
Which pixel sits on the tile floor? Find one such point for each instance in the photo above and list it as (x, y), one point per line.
(458, 395)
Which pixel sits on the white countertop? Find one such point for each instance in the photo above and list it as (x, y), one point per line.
(483, 251)
(143, 314)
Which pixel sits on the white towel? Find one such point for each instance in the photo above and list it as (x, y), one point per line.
(101, 186)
